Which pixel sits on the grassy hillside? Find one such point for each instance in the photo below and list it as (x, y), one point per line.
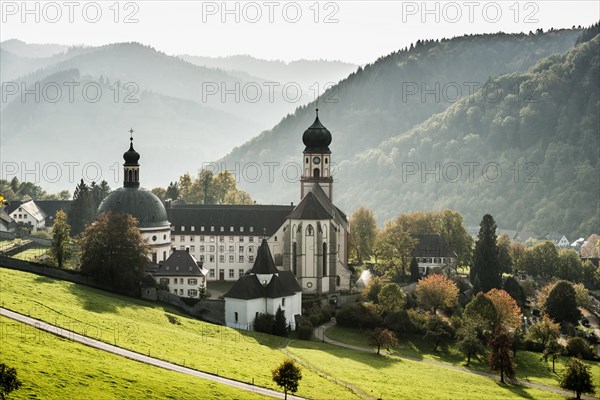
(145, 327)
(53, 368)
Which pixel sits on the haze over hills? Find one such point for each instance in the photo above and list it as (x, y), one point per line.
(191, 113)
(376, 107)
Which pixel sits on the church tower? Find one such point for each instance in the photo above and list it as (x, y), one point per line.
(317, 159)
(131, 168)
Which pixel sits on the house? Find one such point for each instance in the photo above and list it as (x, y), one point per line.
(432, 252)
(263, 290)
(558, 239)
(7, 224)
(182, 274)
(27, 214)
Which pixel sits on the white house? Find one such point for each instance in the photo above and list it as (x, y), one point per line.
(7, 224)
(432, 251)
(558, 239)
(29, 214)
(182, 274)
(263, 290)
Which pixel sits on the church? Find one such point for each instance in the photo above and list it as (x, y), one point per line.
(309, 240)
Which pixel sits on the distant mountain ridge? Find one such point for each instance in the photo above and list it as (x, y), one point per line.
(376, 118)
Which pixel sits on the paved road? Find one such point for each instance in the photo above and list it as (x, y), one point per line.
(55, 330)
(319, 333)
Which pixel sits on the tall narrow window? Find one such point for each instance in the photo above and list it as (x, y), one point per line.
(309, 230)
(316, 173)
(294, 254)
(324, 259)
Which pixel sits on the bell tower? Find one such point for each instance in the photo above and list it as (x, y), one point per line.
(316, 163)
(131, 168)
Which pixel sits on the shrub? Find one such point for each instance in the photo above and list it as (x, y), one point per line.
(578, 347)
(315, 319)
(418, 321)
(359, 315)
(305, 330)
(264, 323)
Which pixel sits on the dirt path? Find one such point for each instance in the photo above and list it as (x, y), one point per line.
(319, 334)
(75, 337)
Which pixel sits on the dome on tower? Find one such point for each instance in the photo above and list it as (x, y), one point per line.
(131, 156)
(139, 203)
(317, 138)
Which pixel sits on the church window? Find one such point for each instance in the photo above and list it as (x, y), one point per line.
(294, 261)
(235, 316)
(307, 160)
(310, 230)
(275, 238)
(338, 281)
(316, 172)
(283, 302)
(164, 237)
(326, 160)
(324, 259)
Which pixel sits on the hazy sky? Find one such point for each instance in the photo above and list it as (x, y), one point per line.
(354, 31)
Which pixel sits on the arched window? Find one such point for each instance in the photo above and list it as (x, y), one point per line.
(316, 173)
(294, 255)
(338, 280)
(137, 176)
(129, 176)
(324, 259)
(310, 230)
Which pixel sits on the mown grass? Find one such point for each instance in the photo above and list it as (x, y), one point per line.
(530, 367)
(144, 327)
(50, 367)
(393, 378)
(31, 253)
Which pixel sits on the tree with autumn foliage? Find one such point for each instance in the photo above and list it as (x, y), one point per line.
(382, 337)
(508, 313)
(501, 358)
(437, 291)
(113, 251)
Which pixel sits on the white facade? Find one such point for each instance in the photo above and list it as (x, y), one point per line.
(29, 214)
(240, 314)
(159, 240)
(183, 286)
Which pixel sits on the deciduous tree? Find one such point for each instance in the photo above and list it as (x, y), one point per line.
(501, 358)
(8, 381)
(438, 330)
(437, 291)
(382, 337)
(363, 230)
(578, 378)
(561, 303)
(469, 339)
(113, 251)
(507, 311)
(287, 375)
(552, 351)
(391, 298)
(544, 331)
(61, 237)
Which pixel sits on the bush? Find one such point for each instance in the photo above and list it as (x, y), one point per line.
(359, 315)
(315, 319)
(264, 323)
(305, 330)
(533, 345)
(578, 347)
(418, 321)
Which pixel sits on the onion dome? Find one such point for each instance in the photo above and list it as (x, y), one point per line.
(131, 156)
(317, 138)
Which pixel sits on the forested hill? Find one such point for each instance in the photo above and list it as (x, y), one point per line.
(543, 138)
(376, 104)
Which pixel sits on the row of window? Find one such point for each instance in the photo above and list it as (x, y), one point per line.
(168, 268)
(211, 239)
(433, 260)
(182, 228)
(211, 249)
(190, 292)
(167, 281)
(231, 273)
(211, 257)
(20, 216)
